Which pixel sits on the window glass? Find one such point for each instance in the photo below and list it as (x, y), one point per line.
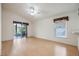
(61, 29)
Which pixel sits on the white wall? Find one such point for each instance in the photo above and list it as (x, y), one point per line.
(0, 29)
(7, 24)
(45, 28)
(78, 43)
(0, 21)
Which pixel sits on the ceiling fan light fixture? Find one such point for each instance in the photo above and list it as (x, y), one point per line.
(33, 10)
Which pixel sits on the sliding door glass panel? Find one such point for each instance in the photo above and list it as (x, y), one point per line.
(24, 31)
(18, 33)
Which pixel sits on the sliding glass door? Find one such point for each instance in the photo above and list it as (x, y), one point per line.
(20, 29)
(24, 30)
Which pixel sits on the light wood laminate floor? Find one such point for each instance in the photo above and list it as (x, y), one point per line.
(37, 47)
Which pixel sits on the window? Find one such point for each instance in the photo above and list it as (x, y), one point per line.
(61, 27)
(61, 30)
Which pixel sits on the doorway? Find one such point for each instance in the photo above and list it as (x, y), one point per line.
(20, 30)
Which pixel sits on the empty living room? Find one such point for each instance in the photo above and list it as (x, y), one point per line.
(39, 29)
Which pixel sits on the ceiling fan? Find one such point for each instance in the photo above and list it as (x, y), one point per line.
(33, 10)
